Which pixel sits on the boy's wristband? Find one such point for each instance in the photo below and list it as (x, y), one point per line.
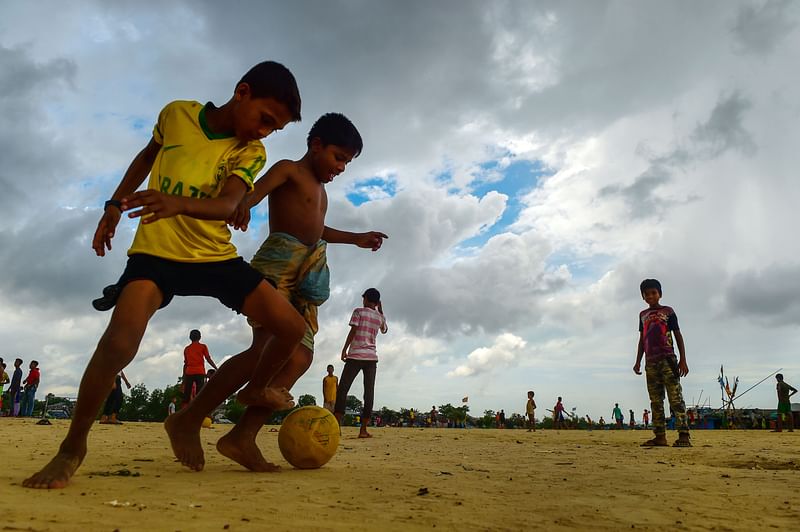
(114, 203)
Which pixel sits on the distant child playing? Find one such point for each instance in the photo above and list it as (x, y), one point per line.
(530, 410)
(3, 381)
(558, 414)
(359, 354)
(171, 407)
(657, 324)
(31, 384)
(329, 384)
(14, 389)
(195, 356)
(114, 401)
(202, 160)
(616, 413)
(293, 258)
(785, 391)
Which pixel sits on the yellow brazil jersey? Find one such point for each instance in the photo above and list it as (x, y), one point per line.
(329, 388)
(194, 162)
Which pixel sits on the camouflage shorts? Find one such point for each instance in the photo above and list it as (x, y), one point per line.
(662, 375)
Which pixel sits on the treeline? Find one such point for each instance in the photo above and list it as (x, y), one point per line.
(141, 404)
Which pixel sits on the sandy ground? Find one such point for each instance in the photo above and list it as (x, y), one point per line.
(413, 479)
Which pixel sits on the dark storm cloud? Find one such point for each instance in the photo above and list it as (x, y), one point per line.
(722, 132)
(724, 129)
(48, 262)
(770, 295)
(30, 157)
(759, 29)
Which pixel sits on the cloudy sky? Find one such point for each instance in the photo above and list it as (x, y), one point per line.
(532, 162)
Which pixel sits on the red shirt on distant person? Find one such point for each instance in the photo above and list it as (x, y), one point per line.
(195, 356)
(33, 378)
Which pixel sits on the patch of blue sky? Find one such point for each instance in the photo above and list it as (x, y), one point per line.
(372, 189)
(138, 123)
(99, 182)
(582, 269)
(61, 114)
(514, 180)
(258, 219)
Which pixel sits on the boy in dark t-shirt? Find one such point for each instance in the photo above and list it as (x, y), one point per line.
(657, 324)
(785, 391)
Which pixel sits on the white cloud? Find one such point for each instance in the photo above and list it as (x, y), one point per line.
(504, 353)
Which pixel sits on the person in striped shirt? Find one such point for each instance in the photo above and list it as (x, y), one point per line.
(359, 354)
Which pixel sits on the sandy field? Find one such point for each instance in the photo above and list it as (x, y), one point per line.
(412, 479)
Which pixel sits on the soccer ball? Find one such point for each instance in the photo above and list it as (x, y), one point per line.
(309, 437)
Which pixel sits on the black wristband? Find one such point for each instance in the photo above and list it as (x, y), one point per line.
(114, 203)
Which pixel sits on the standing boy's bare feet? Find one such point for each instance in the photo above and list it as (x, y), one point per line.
(57, 472)
(185, 441)
(245, 452)
(273, 398)
(660, 440)
(364, 434)
(683, 440)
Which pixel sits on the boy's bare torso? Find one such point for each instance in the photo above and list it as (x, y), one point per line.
(299, 205)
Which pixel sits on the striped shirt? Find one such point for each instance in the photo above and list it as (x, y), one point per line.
(367, 322)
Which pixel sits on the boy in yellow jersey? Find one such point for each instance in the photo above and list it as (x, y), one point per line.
(293, 258)
(202, 161)
(329, 384)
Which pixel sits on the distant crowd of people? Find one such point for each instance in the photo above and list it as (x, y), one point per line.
(19, 399)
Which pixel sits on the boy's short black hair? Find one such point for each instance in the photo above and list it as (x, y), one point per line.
(779, 376)
(18, 361)
(194, 335)
(273, 80)
(330, 366)
(35, 363)
(372, 295)
(650, 283)
(336, 129)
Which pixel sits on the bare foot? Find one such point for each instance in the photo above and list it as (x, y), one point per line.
(364, 434)
(658, 441)
(57, 472)
(185, 441)
(273, 398)
(682, 441)
(245, 452)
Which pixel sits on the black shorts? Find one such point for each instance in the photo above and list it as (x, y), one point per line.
(229, 281)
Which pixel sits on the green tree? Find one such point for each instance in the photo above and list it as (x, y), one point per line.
(389, 416)
(233, 409)
(134, 408)
(516, 421)
(156, 409)
(488, 419)
(307, 400)
(354, 404)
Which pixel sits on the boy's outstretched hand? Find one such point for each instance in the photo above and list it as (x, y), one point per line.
(106, 228)
(370, 240)
(157, 204)
(240, 218)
